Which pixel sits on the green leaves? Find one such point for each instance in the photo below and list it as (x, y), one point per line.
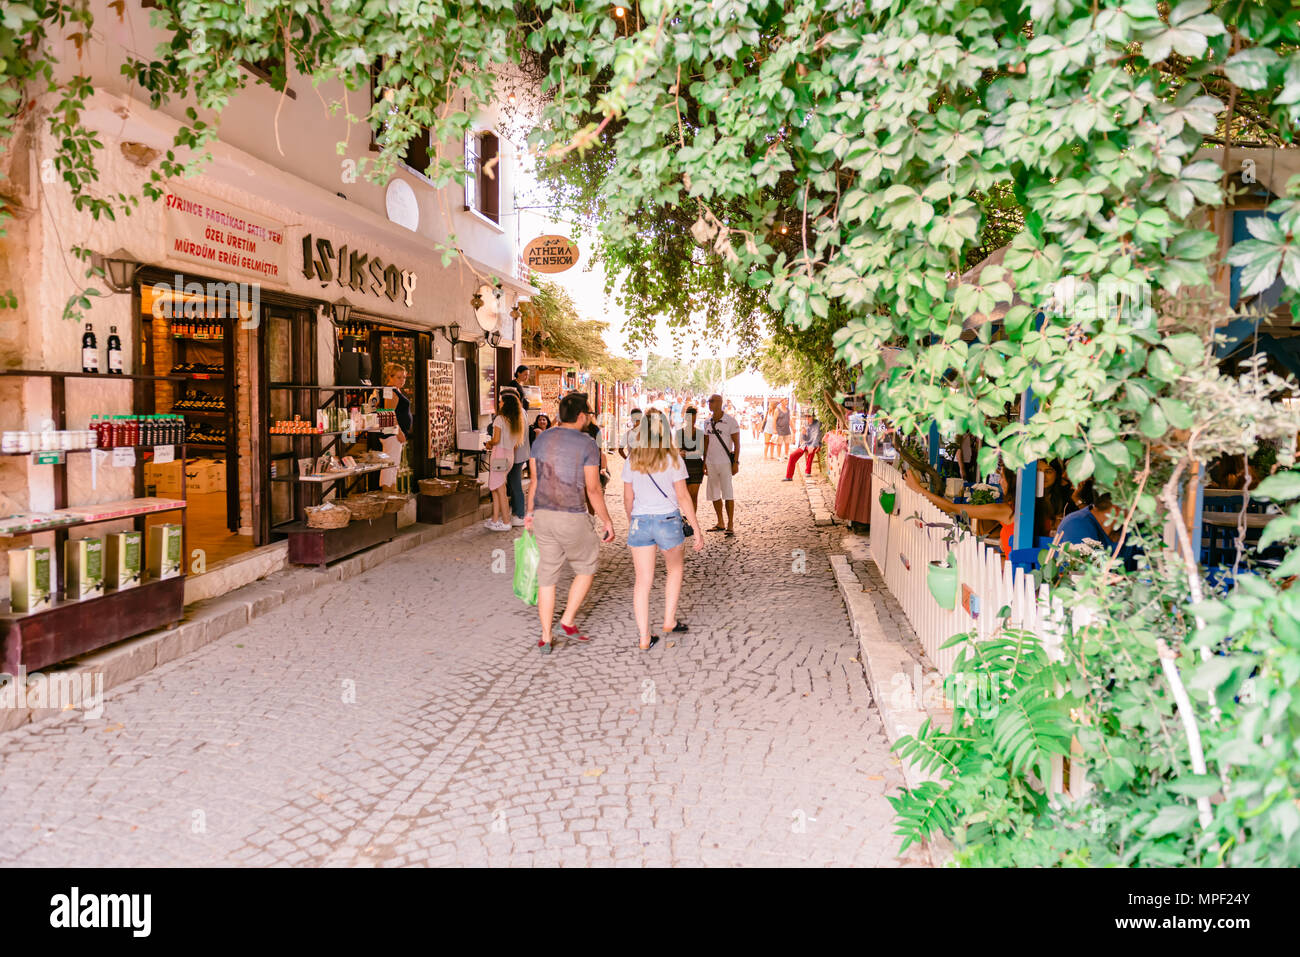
(1170, 820)
(1271, 251)
(1188, 31)
(1250, 68)
(1280, 487)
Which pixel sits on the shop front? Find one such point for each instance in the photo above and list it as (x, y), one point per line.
(269, 348)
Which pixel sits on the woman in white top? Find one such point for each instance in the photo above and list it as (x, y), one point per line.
(690, 440)
(655, 496)
(507, 433)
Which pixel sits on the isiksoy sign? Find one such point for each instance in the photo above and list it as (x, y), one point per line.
(353, 269)
(550, 254)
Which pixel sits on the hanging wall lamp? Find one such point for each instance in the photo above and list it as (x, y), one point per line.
(119, 269)
(342, 310)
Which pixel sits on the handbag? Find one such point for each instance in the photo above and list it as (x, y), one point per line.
(687, 530)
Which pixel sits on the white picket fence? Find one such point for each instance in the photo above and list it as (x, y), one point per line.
(903, 546)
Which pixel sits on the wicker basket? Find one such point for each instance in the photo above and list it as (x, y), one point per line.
(366, 507)
(394, 502)
(328, 516)
(438, 487)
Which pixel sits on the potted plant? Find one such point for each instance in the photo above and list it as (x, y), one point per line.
(942, 580)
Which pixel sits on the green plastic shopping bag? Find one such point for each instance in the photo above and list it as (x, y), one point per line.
(527, 557)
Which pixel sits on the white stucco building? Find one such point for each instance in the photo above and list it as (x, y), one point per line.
(281, 210)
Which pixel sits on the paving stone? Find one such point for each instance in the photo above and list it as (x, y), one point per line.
(399, 715)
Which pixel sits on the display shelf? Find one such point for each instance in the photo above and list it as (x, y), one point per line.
(176, 506)
(160, 445)
(334, 476)
(212, 374)
(38, 639)
(320, 546)
(44, 373)
(327, 388)
(68, 628)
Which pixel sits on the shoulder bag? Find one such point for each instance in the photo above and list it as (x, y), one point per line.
(731, 456)
(687, 531)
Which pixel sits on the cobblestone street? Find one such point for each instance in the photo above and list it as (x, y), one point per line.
(754, 741)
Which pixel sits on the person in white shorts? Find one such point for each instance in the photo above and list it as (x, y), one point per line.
(721, 462)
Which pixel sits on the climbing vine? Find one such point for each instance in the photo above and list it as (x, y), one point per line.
(827, 173)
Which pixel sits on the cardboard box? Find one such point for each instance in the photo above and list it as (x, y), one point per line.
(123, 555)
(83, 568)
(29, 579)
(205, 475)
(164, 559)
(165, 479)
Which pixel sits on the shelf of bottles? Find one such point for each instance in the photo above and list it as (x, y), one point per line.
(194, 338)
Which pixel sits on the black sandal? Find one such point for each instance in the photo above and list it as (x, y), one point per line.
(679, 627)
(654, 640)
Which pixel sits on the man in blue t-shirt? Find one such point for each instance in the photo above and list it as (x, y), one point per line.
(1099, 523)
(565, 466)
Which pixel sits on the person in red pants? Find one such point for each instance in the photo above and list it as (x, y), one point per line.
(810, 440)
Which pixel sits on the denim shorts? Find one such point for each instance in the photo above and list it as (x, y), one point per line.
(662, 530)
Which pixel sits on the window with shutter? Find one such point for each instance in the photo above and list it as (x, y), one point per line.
(482, 175)
(489, 178)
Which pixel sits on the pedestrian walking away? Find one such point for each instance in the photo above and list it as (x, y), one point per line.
(721, 463)
(810, 440)
(782, 439)
(769, 431)
(690, 440)
(508, 434)
(655, 498)
(565, 466)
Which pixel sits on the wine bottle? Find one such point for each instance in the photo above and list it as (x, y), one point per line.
(114, 352)
(89, 351)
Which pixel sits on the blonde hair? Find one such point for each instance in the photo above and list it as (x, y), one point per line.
(391, 368)
(652, 445)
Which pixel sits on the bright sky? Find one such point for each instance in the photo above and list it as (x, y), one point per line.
(584, 284)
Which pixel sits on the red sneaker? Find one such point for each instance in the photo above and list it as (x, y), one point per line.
(573, 633)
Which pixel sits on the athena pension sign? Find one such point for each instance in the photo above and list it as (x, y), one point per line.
(550, 254)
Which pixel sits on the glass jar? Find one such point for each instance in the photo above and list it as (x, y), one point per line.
(49, 441)
(67, 440)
